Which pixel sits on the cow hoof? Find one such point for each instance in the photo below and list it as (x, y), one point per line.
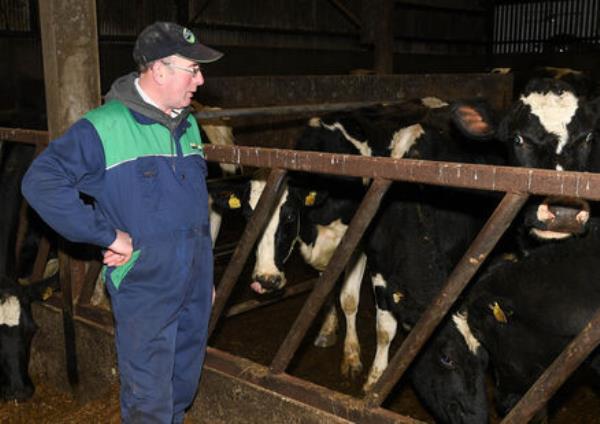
(351, 369)
(325, 340)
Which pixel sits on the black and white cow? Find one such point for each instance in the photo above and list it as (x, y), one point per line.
(417, 240)
(315, 210)
(16, 323)
(16, 332)
(516, 320)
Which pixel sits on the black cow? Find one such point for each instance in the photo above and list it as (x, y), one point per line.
(517, 319)
(16, 332)
(16, 323)
(424, 231)
(315, 210)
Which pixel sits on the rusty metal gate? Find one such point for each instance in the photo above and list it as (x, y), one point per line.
(516, 183)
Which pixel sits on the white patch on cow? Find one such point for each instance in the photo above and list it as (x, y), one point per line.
(404, 139)
(314, 122)
(256, 189)
(10, 311)
(386, 331)
(362, 146)
(379, 281)
(265, 251)
(549, 235)
(433, 102)
(460, 320)
(554, 112)
(328, 238)
(349, 299)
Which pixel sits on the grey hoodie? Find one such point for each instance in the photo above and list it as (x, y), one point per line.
(123, 89)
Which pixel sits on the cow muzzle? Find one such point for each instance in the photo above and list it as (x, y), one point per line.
(268, 283)
(560, 217)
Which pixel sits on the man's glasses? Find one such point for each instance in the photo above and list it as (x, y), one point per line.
(195, 71)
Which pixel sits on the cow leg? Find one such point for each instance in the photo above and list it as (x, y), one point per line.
(386, 331)
(215, 225)
(349, 299)
(327, 334)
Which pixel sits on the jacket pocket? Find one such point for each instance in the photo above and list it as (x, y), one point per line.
(118, 274)
(148, 175)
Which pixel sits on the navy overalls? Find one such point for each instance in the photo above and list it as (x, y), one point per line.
(147, 180)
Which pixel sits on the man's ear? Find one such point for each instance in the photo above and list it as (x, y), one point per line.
(473, 119)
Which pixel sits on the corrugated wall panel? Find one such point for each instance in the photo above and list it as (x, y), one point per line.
(545, 26)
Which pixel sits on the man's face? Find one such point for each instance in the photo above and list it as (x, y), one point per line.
(181, 79)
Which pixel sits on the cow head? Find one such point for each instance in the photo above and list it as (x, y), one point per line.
(449, 375)
(16, 332)
(550, 126)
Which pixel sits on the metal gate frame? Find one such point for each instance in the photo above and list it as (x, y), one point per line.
(516, 183)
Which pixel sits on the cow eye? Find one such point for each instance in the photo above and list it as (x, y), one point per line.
(589, 137)
(518, 139)
(447, 362)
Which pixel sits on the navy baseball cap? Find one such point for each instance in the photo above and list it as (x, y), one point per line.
(163, 39)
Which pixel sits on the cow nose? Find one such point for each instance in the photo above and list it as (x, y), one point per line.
(269, 283)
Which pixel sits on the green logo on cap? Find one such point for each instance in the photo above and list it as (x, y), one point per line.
(189, 36)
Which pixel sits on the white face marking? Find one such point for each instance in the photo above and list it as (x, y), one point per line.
(379, 281)
(460, 320)
(328, 238)
(265, 251)
(10, 311)
(433, 102)
(362, 146)
(404, 139)
(554, 112)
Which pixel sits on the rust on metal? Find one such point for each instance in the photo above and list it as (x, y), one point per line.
(250, 305)
(300, 390)
(20, 135)
(258, 220)
(291, 109)
(483, 177)
(359, 223)
(557, 373)
(483, 244)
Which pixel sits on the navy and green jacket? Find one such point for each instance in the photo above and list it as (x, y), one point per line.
(144, 170)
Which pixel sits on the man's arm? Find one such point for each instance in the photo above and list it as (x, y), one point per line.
(72, 163)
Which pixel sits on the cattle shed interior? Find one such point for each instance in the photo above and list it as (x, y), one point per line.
(284, 62)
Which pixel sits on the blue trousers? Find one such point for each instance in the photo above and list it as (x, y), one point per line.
(162, 308)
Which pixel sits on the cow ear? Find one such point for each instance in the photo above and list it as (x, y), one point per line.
(308, 198)
(41, 290)
(473, 119)
(226, 200)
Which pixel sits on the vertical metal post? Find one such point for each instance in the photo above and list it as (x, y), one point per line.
(362, 218)
(483, 244)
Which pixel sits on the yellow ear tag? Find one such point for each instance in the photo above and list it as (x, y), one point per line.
(498, 313)
(234, 202)
(309, 200)
(47, 293)
(398, 296)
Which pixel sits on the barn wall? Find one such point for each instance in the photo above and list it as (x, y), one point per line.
(283, 131)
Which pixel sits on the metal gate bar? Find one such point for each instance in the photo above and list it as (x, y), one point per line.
(557, 373)
(359, 223)
(543, 182)
(290, 110)
(478, 251)
(254, 228)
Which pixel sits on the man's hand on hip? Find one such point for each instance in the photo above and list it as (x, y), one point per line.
(119, 251)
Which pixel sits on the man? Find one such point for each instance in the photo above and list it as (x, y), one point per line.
(140, 157)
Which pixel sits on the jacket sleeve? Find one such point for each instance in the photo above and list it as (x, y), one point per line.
(71, 164)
